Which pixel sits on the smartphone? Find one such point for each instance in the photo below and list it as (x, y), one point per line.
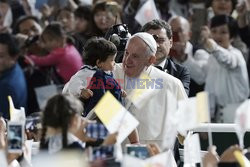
(139, 151)
(102, 152)
(33, 123)
(15, 137)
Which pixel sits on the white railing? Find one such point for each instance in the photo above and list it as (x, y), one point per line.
(216, 127)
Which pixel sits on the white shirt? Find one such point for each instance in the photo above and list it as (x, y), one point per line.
(162, 64)
(79, 81)
(55, 142)
(152, 115)
(224, 73)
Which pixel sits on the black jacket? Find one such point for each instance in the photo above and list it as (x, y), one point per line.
(179, 71)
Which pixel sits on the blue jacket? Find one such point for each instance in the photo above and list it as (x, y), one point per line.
(13, 83)
(99, 84)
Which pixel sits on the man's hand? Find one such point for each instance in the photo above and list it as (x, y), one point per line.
(241, 9)
(211, 158)
(153, 149)
(123, 93)
(228, 155)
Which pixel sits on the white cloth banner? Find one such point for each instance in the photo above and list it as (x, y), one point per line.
(242, 116)
(3, 159)
(170, 132)
(163, 159)
(192, 149)
(86, 2)
(16, 115)
(147, 13)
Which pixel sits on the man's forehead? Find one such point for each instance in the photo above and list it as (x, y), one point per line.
(160, 32)
(180, 23)
(136, 42)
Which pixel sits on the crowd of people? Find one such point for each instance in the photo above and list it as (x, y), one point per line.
(91, 47)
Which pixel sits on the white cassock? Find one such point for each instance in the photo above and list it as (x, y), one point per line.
(152, 115)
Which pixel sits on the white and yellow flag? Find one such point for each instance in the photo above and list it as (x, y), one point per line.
(195, 110)
(159, 160)
(115, 117)
(242, 116)
(192, 149)
(147, 13)
(16, 115)
(242, 159)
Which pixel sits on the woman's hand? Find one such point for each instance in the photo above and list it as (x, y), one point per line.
(81, 133)
(205, 34)
(208, 43)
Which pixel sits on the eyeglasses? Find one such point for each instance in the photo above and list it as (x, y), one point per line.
(158, 39)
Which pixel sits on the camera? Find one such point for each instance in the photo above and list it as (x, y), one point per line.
(119, 35)
(30, 40)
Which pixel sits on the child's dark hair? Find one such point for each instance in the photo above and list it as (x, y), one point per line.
(84, 12)
(55, 31)
(98, 48)
(11, 42)
(58, 113)
(219, 20)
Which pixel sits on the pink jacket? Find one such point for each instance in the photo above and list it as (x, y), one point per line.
(67, 61)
